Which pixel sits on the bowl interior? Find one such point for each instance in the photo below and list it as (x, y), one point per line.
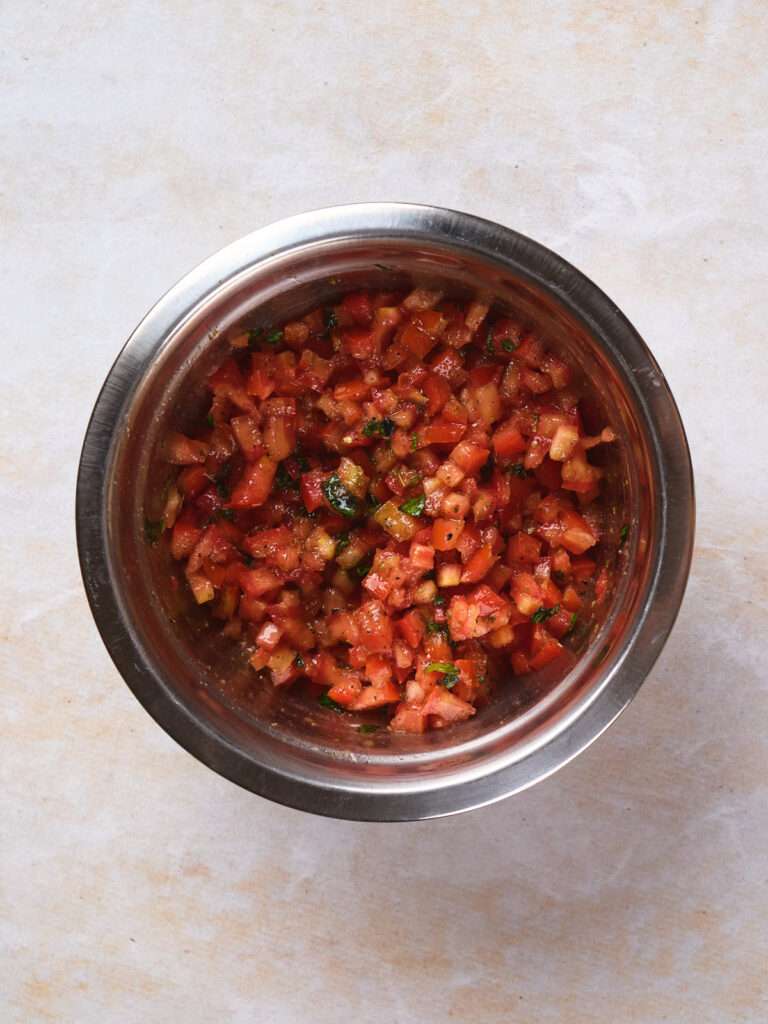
(208, 677)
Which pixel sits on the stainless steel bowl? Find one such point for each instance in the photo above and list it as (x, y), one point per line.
(200, 690)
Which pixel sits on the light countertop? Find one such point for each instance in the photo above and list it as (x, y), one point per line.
(135, 884)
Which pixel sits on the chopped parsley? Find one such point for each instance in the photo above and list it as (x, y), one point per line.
(152, 530)
(368, 728)
(209, 419)
(489, 343)
(519, 470)
(382, 266)
(414, 480)
(303, 464)
(414, 442)
(248, 560)
(572, 623)
(221, 488)
(508, 346)
(383, 428)
(623, 535)
(449, 670)
(227, 513)
(339, 498)
(363, 567)
(328, 702)
(486, 471)
(439, 600)
(342, 541)
(272, 337)
(299, 661)
(284, 479)
(329, 318)
(436, 627)
(414, 506)
(542, 614)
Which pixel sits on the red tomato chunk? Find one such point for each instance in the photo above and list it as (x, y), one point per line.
(390, 502)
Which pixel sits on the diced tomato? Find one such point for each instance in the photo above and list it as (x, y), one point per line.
(469, 457)
(508, 441)
(392, 499)
(446, 533)
(479, 564)
(182, 450)
(184, 539)
(442, 432)
(254, 487)
(358, 306)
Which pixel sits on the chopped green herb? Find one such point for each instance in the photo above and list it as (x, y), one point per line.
(572, 623)
(330, 319)
(363, 567)
(152, 530)
(284, 479)
(414, 506)
(383, 427)
(303, 464)
(536, 418)
(414, 442)
(486, 471)
(248, 560)
(227, 513)
(414, 480)
(328, 702)
(368, 728)
(436, 627)
(508, 346)
(221, 488)
(602, 653)
(304, 512)
(542, 614)
(299, 661)
(441, 666)
(449, 670)
(382, 266)
(439, 600)
(273, 337)
(373, 503)
(489, 343)
(429, 574)
(623, 535)
(519, 470)
(342, 541)
(339, 498)
(209, 419)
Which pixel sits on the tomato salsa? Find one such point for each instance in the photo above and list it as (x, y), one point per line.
(390, 502)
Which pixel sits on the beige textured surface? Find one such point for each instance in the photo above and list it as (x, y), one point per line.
(135, 884)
